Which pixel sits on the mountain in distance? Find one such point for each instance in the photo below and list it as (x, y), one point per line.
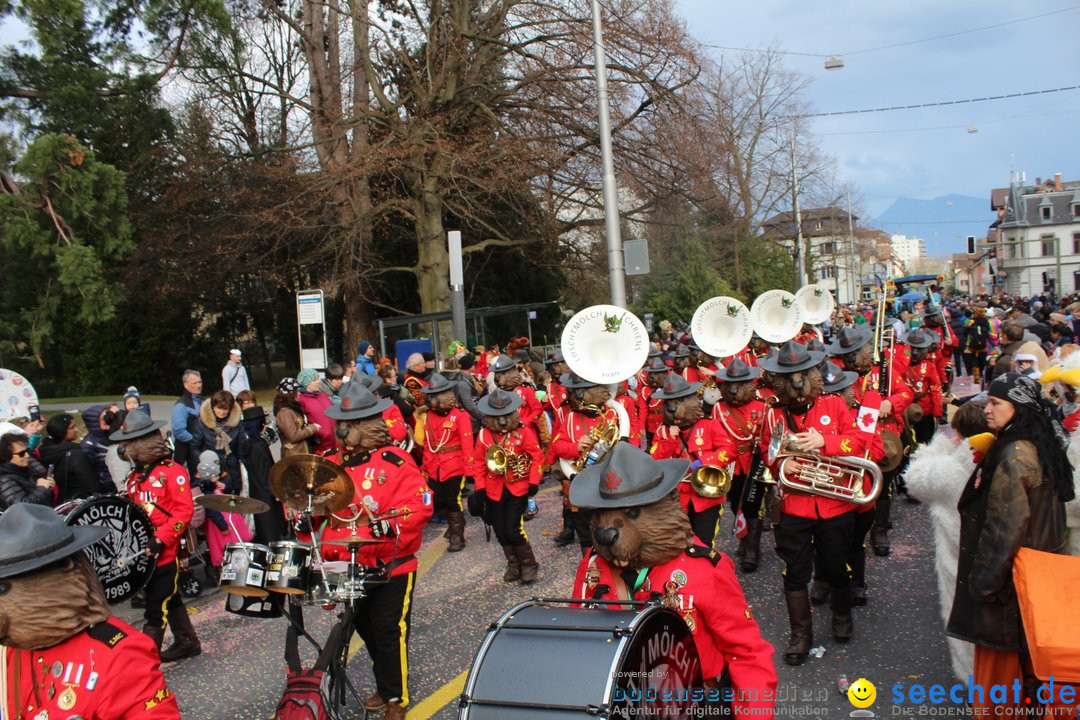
(944, 222)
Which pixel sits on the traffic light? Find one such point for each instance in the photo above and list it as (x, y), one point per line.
(971, 244)
(993, 253)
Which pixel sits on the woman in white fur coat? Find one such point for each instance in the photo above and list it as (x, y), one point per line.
(936, 475)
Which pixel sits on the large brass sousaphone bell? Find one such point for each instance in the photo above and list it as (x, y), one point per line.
(721, 326)
(816, 302)
(776, 316)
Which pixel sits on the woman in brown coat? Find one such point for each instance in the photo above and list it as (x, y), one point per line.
(1015, 498)
(293, 427)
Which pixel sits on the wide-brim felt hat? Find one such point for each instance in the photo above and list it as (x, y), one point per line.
(626, 477)
(499, 402)
(136, 424)
(849, 339)
(371, 382)
(792, 357)
(522, 356)
(682, 351)
(502, 363)
(357, 403)
(656, 364)
(554, 358)
(570, 381)
(836, 378)
(437, 383)
(676, 386)
(919, 339)
(737, 371)
(33, 536)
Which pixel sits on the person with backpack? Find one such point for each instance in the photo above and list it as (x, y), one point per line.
(185, 415)
(978, 340)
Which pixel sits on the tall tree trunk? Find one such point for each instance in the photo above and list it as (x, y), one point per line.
(433, 260)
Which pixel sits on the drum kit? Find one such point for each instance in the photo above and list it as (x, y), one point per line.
(312, 486)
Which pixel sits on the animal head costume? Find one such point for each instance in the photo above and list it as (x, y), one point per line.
(360, 426)
(638, 521)
(441, 398)
(920, 343)
(141, 438)
(682, 404)
(796, 376)
(500, 410)
(853, 349)
(48, 590)
(737, 383)
(584, 395)
(506, 373)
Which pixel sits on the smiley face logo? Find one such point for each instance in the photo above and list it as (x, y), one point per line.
(862, 693)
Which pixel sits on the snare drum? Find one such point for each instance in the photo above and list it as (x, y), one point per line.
(243, 569)
(337, 582)
(120, 558)
(626, 663)
(289, 564)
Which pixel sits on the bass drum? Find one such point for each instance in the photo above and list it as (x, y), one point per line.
(119, 558)
(626, 663)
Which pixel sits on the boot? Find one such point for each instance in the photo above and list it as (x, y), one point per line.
(185, 641)
(843, 624)
(857, 563)
(529, 566)
(157, 634)
(879, 534)
(802, 627)
(752, 553)
(819, 592)
(513, 565)
(565, 536)
(976, 376)
(394, 711)
(456, 520)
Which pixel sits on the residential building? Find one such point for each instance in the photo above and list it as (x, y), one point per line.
(1037, 235)
(832, 247)
(907, 251)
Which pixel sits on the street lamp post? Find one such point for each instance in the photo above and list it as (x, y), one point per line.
(616, 270)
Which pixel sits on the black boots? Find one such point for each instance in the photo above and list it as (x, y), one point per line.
(750, 548)
(455, 520)
(857, 563)
(819, 592)
(157, 634)
(513, 565)
(529, 567)
(802, 627)
(565, 536)
(185, 641)
(843, 624)
(879, 534)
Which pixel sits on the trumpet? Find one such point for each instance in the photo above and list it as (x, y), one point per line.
(712, 481)
(840, 478)
(498, 460)
(604, 434)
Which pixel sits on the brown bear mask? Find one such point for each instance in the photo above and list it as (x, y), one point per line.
(502, 424)
(509, 379)
(363, 435)
(146, 449)
(647, 536)
(860, 361)
(44, 607)
(595, 395)
(684, 412)
(737, 394)
(442, 403)
(800, 388)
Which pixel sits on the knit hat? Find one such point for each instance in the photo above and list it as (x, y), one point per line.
(306, 376)
(466, 362)
(362, 347)
(133, 391)
(288, 385)
(209, 465)
(58, 425)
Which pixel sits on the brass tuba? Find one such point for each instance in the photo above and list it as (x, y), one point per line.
(606, 433)
(712, 481)
(496, 460)
(840, 478)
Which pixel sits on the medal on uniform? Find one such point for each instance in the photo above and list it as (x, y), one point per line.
(91, 680)
(57, 668)
(382, 477)
(688, 617)
(366, 485)
(67, 699)
(51, 692)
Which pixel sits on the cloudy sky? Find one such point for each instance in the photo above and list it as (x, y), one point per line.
(924, 153)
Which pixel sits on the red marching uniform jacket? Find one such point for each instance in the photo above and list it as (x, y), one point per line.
(110, 671)
(650, 411)
(395, 423)
(691, 374)
(556, 402)
(701, 586)
(531, 409)
(575, 426)
(830, 416)
(943, 355)
(899, 394)
(162, 490)
(383, 480)
(521, 441)
(448, 445)
(736, 427)
(700, 442)
(925, 385)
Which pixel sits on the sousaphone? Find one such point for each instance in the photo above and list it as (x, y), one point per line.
(721, 326)
(816, 302)
(776, 316)
(605, 344)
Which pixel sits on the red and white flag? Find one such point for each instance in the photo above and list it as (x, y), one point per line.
(867, 418)
(740, 525)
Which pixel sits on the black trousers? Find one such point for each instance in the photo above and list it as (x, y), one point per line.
(383, 619)
(705, 523)
(800, 541)
(446, 494)
(579, 521)
(507, 519)
(162, 597)
(924, 429)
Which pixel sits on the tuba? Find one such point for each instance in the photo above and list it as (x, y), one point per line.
(498, 460)
(712, 481)
(776, 316)
(816, 302)
(840, 478)
(721, 326)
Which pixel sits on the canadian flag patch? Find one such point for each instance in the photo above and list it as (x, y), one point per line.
(868, 412)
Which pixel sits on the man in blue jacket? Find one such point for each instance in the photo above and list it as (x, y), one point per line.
(185, 413)
(365, 358)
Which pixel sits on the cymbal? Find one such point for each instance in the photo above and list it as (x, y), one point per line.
(233, 504)
(296, 477)
(355, 540)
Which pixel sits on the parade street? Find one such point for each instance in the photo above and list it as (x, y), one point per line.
(898, 638)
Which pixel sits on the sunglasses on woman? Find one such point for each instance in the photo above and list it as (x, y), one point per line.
(21, 453)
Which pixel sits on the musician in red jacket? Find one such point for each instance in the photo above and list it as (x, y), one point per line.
(688, 434)
(684, 364)
(737, 417)
(448, 454)
(925, 383)
(645, 549)
(161, 487)
(509, 376)
(650, 410)
(385, 479)
(810, 524)
(501, 494)
(936, 323)
(62, 653)
(555, 400)
(853, 349)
